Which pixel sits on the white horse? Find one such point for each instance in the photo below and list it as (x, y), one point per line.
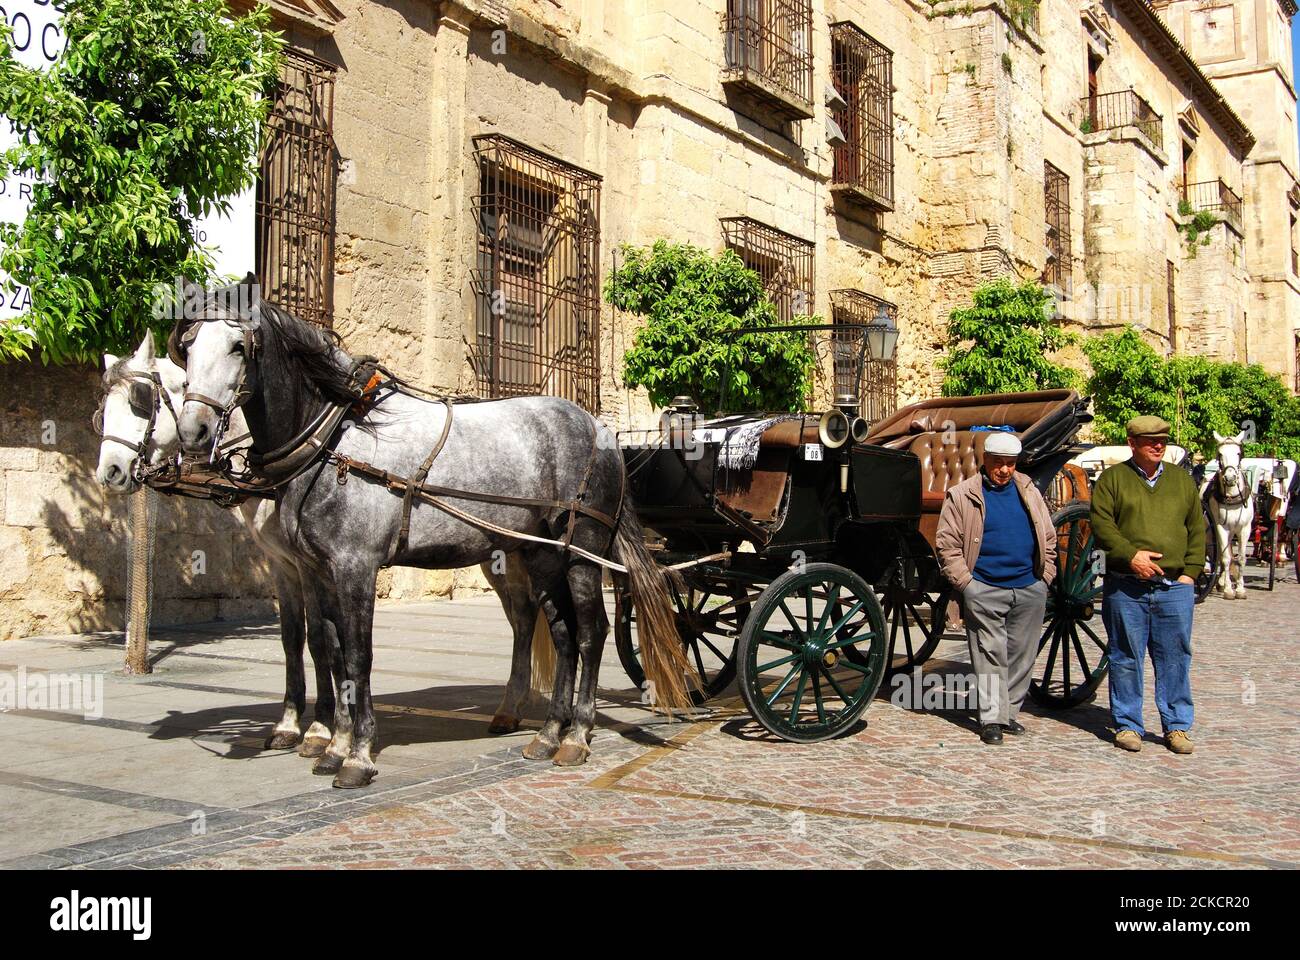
(143, 393)
(1232, 509)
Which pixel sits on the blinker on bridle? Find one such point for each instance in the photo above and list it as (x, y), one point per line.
(159, 398)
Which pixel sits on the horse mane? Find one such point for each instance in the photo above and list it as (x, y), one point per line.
(307, 353)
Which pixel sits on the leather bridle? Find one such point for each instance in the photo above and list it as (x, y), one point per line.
(159, 399)
(178, 350)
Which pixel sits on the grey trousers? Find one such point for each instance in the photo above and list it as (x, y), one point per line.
(1003, 627)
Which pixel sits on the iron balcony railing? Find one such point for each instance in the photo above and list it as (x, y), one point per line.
(862, 71)
(769, 53)
(1214, 196)
(1124, 108)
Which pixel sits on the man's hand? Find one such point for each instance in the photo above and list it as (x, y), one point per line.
(1186, 579)
(1144, 564)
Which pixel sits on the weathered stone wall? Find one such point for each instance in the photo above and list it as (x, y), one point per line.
(64, 558)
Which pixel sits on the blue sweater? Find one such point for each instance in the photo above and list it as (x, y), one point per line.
(1007, 547)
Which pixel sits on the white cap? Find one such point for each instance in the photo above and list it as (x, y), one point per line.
(1002, 444)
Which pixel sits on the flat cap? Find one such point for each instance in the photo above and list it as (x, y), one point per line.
(1148, 426)
(1003, 445)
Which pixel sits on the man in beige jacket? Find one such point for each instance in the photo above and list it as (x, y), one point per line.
(997, 546)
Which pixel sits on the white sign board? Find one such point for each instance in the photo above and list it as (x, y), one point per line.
(37, 42)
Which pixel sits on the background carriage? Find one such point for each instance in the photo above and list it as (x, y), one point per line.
(804, 545)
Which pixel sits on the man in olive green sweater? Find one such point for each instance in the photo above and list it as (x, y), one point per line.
(1146, 516)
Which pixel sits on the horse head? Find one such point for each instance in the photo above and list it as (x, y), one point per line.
(219, 349)
(136, 417)
(1228, 454)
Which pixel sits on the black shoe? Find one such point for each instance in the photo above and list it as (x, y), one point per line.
(991, 733)
(1013, 728)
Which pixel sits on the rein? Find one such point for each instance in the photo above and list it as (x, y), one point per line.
(1220, 494)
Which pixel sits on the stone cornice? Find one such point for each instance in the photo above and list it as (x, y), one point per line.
(318, 17)
(1204, 92)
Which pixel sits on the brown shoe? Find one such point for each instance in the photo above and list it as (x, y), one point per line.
(1178, 741)
(1128, 740)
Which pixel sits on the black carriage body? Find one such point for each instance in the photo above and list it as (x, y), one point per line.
(858, 505)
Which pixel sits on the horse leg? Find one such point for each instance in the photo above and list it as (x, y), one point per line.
(1222, 534)
(317, 738)
(331, 761)
(1243, 535)
(354, 586)
(592, 627)
(515, 592)
(288, 591)
(557, 606)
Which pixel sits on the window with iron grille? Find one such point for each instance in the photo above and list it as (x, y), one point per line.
(295, 192)
(769, 54)
(537, 275)
(873, 381)
(784, 262)
(1056, 195)
(862, 71)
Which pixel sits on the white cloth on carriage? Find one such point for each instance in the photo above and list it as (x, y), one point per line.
(740, 449)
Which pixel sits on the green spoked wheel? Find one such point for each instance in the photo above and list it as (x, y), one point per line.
(813, 653)
(1072, 658)
(708, 622)
(915, 614)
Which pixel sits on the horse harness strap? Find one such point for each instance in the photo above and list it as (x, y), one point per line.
(1238, 501)
(414, 487)
(417, 480)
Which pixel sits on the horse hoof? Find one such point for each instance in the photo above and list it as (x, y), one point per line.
(539, 749)
(327, 765)
(503, 723)
(313, 747)
(350, 778)
(571, 755)
(282, 740)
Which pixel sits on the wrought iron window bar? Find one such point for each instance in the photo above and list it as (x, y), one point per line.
(769, 54)
(1124, 108)
(1058, 270)
(784, 263)
(874, 380)
(294, 252)
(537, 274)
(862, 72)
(1213, 196)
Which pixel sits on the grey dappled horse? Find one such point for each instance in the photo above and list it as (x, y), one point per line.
(136, 423)
(287, 373)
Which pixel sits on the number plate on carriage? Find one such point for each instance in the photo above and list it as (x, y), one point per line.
(812, 451)
(709, 436)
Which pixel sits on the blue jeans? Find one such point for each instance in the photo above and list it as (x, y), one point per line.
(1141, 616)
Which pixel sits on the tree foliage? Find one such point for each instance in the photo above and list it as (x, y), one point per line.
(151, 117)
(1197, 395)
(691, 299)
(1001, 343)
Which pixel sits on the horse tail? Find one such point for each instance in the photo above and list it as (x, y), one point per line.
(543, 657)
(663, 655)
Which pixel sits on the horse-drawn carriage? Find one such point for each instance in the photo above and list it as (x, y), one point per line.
(805, 548)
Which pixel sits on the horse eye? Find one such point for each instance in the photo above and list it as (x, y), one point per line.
(238, 347)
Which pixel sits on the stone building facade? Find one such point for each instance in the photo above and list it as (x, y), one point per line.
(457, 177)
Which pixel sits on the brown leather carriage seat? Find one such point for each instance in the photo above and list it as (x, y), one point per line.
(938, 432)
(758, 491)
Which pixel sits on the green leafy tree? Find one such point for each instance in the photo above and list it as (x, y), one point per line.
(1000, 344)
(691, 299)
(1197, 395)
(150, 118)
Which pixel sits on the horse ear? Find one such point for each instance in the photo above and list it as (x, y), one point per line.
(1218, 439)
(146, 353)
(1240, 438)
(110, 361)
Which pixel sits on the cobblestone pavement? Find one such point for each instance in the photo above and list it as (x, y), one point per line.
(174, 774)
